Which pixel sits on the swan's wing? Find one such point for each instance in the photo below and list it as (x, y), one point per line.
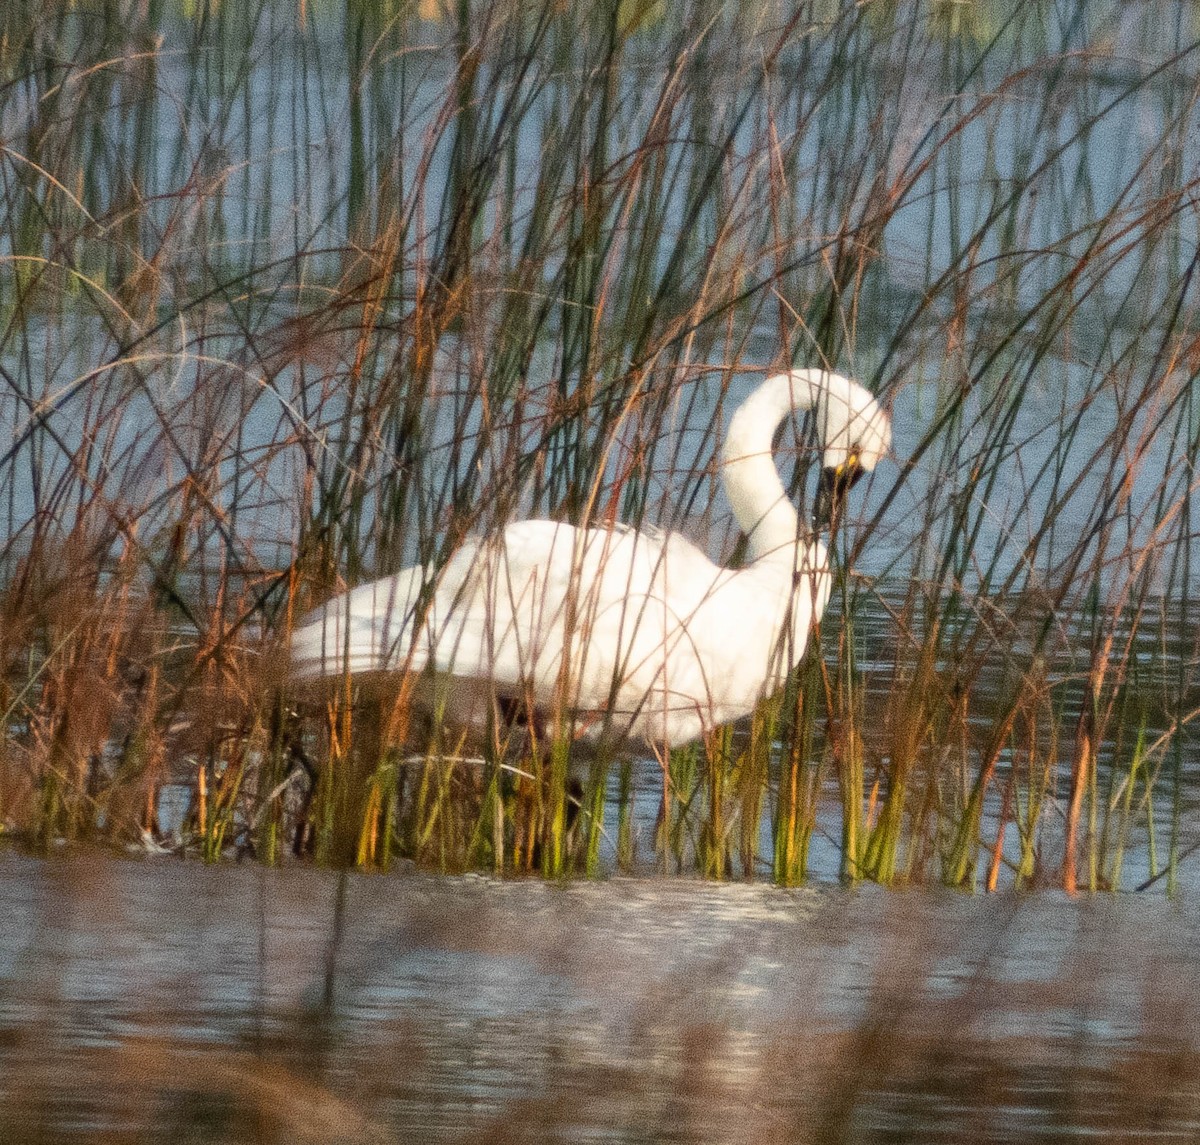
(519, 608)
(593, 623)
(502, 609)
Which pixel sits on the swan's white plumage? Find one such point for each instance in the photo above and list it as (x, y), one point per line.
(621, 633)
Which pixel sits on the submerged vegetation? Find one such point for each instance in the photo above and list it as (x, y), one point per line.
(291, 297)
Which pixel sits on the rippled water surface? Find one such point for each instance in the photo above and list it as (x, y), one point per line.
(169, 1001)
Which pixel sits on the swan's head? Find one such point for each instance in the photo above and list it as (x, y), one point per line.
(855, 433)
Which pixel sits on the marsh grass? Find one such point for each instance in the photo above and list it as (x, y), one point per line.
(290, 300)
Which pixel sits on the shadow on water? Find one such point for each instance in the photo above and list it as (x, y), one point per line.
(191, 1003)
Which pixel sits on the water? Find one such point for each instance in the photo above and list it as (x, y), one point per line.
(240, 1004)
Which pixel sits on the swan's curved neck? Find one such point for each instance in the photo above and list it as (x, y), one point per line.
(760, 502)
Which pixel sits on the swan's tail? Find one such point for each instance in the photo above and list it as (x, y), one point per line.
(369, 629)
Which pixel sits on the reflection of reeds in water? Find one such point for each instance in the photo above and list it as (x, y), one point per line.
(289, 304)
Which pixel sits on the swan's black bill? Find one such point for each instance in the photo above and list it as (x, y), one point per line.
(835, 483)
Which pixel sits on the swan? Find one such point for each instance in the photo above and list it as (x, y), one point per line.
(609, 633)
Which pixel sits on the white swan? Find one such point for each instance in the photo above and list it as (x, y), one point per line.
(614, 633)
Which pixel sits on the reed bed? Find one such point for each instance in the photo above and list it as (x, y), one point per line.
(290, 298)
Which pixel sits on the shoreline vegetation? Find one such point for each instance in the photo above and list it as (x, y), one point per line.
(292, 297)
